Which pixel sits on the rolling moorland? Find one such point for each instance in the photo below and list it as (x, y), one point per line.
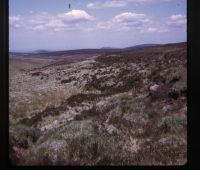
(99, 107)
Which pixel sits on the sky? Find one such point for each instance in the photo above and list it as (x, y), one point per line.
(52, 25)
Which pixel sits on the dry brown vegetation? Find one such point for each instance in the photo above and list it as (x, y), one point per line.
(100, 110)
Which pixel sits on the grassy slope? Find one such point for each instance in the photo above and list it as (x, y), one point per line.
(110, 118)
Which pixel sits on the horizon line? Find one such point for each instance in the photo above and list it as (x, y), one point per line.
(48, 50)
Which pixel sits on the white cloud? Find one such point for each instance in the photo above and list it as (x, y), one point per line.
(131, 17)
(40, 18)
(55, 23)
(177, 20)
(130, 20)
(112, 26)
(38, 27)
(149, 1)
(17, 25)
(152, 29)
(81, 20)
(76, 15)
(136, 22)
(118, 3)
(126, 21)
(145, 2)
(177, 17)
(43, 20)
(106, 25)
(15, 19)
(107, 4)
(122, 3)
(141, 1)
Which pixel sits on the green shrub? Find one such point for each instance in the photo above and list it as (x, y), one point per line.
(175, 124)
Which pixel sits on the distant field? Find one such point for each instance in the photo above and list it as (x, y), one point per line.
(17, 64)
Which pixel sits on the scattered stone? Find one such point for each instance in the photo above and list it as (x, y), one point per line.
(111, 129)
(159, 92)
(167, 108)
(154, 87)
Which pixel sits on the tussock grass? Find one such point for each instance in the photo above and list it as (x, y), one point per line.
(75, 144)
(174, 124)
(41, 102)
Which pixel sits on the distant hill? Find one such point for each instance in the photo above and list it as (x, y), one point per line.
(41, 51)
(140, 46)
(109, 48)
(85, 51)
